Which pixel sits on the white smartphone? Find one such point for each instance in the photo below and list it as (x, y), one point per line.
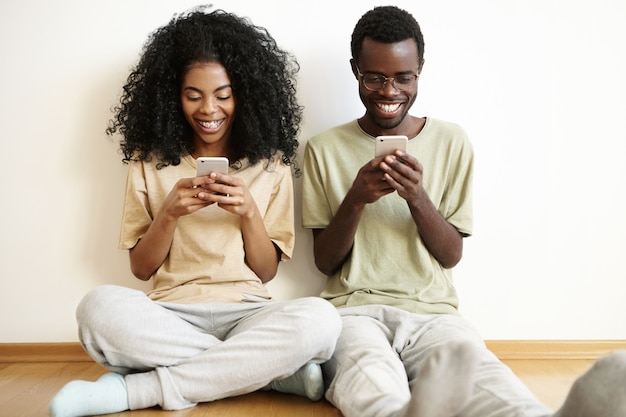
(205, 165)
(386, 145)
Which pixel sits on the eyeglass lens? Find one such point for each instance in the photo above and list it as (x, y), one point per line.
(377, 82)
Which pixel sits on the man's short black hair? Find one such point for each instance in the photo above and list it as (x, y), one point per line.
(386, 24)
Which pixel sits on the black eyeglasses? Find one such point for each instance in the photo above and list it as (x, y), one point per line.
(376, 82)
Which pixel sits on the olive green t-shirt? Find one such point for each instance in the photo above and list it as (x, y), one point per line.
(389, 263)
(206, 261)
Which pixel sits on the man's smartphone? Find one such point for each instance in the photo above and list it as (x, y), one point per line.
(205, 165)
(386, 145)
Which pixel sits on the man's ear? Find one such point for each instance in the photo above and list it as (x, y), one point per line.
(354, 70)
(419, 69)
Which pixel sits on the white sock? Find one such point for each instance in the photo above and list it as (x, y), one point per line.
(600, 392)
(82, 398)
(445, 383)
(306, 382)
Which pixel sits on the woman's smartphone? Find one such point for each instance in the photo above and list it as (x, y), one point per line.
(205, 165)
(386, 145)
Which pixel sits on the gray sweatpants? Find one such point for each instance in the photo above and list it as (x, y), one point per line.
(379, 355)
(177, 355)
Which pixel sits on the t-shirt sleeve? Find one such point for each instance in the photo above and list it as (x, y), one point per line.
(316, 212)
(458, 202)
(279, 217)
(136, 215)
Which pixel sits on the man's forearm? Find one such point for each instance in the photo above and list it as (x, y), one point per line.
(442, 239)
(333, 245)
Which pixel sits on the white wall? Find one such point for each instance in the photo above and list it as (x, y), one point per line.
(540, 86)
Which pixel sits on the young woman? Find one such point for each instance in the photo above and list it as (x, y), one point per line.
(206, 85)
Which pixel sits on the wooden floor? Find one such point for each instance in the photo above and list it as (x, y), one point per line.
(26, 389)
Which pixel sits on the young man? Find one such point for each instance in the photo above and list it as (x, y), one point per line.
(387, 232)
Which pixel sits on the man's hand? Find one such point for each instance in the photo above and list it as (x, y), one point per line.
(370, 184)
(404, 173)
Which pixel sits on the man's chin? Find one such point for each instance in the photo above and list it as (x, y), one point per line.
(387, 124)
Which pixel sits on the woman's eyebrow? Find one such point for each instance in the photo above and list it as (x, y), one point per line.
(223, 87)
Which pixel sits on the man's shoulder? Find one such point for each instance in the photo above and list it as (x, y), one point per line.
(441, 126)
(442, 133)
(346, 129)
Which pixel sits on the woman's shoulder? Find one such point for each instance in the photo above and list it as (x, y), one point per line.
(152, 166)
(274, 166)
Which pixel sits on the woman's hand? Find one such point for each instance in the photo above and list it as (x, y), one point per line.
(184, 198)
(228, 192)
(232, 194)
(152, 249)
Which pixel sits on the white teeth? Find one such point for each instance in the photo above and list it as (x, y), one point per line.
(210, 125)
(388, 107)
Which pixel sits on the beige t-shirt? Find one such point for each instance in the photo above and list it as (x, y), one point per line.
(206, 262)
(389, 263)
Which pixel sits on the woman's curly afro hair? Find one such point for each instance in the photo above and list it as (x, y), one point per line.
(149, 116)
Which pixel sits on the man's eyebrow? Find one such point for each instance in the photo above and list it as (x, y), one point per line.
(407, 72)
